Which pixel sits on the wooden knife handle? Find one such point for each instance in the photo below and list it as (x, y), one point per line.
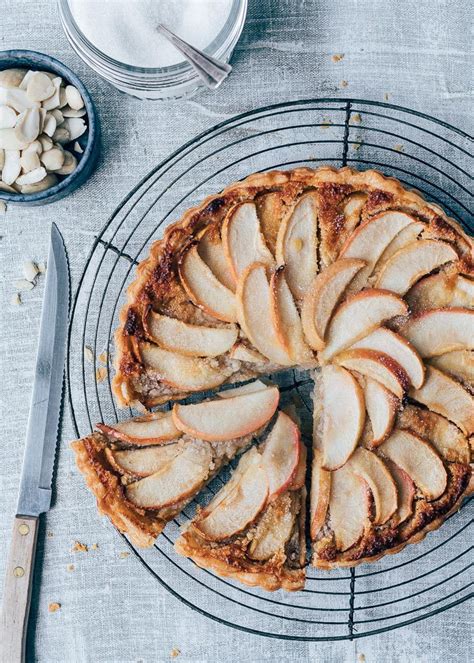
(17, 590)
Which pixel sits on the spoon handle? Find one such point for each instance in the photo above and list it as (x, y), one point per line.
(209, 69)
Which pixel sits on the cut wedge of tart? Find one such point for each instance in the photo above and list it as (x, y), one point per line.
(253, 529)
(142, 480)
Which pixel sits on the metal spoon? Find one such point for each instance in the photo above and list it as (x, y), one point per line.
(210, 70)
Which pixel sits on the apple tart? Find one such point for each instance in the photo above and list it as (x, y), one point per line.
(341, 272)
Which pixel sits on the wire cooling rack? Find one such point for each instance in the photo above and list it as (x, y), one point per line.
(423, 153)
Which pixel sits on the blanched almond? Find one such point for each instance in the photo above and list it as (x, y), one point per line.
(29, 161)
(7, 117)
(33, 177)
(74, 98)
(75, 126)
(69, 165)
(11, 167)
(27, 126)
(53, 159)
(62, 135)
(9, 140)
(50, 125)
(46, 142)
(70, 112)
(10, 78)
(52, 102)
(40, 87)
(49, 181)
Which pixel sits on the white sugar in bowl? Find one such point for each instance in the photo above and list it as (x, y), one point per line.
(118, 39)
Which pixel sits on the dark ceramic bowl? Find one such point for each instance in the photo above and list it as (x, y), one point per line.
(89, 141)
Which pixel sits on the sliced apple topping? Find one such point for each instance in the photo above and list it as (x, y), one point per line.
(143, 462)
(392, 344)
(297, 245)
(320, 493)
(250, 388)
(270, 209)
(299, 476)
(211, 250)
(443, 395)
(381, 405)
(281, 454)
(445, 436)
(419, 460)
(323, 296)
(204, 289)
(370, 239)
(439, 331)
(406, 236)
(349, 507)
(441, 290)
(192, 340)
(412, 262)
(228, 418)
(405, 489)
(177, 370)
(274, 529)
(343, 416)
(286, 320)
(255, 314)
(243, 240)
(245, 353)
(459, 364)
(359, 315)
(378, 366)
(372, 470)
(153, 428)
(228, 515)
(174, 481)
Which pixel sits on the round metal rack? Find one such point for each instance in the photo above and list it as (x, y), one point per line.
(420, 151)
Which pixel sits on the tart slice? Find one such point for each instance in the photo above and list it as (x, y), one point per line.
(144, 471)
(253, 529)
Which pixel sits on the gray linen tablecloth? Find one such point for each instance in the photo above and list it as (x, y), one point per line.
(418, 52)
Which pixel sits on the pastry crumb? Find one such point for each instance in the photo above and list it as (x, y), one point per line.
(399, 147)
(16, 299)
(50, 534)
(54, 607)
(88, 354)
(94, 546)
(79, 547)
(325, 124)
(357, 145)
(344, 83)
(3, 207)
(337, 57)
(357, 118)
(175, 652)
(103, 357)
(361, 658)
(124, 554)
(101, 374)
(385, 96)
(70, 567)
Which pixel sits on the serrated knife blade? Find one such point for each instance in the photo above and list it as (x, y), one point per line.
(40, 450)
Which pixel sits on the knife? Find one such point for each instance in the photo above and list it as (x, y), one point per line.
(36, 478)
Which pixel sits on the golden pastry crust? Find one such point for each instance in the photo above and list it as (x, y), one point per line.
(231, 560)
(157, 284)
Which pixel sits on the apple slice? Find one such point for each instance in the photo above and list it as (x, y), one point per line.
(343, 416)
(440, 290)
(358, 316)
(254, 306)
(274, 529)
(323, 296)
(286, 320)
(243, 241)
(378, 366)
(190, 340)
(187, 373)
(445, 436)
(175, 481)
(349, 507)
(297, 244)
(227, 418)
(392, 344)
(204, 289)
(299, 477)
(419, 460)
(443, 395)
(439, 331)
(250, 388)
(370, 239)
(243, 352)
(211, 250)
(405, 489)
(372, 470)
(281, 454)
(459, 364)
(381, 405)
(320, 493)
(241, 505)
(153, 428)
(142, 462)
(406, 236)
(270, 209)
(412, 262)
